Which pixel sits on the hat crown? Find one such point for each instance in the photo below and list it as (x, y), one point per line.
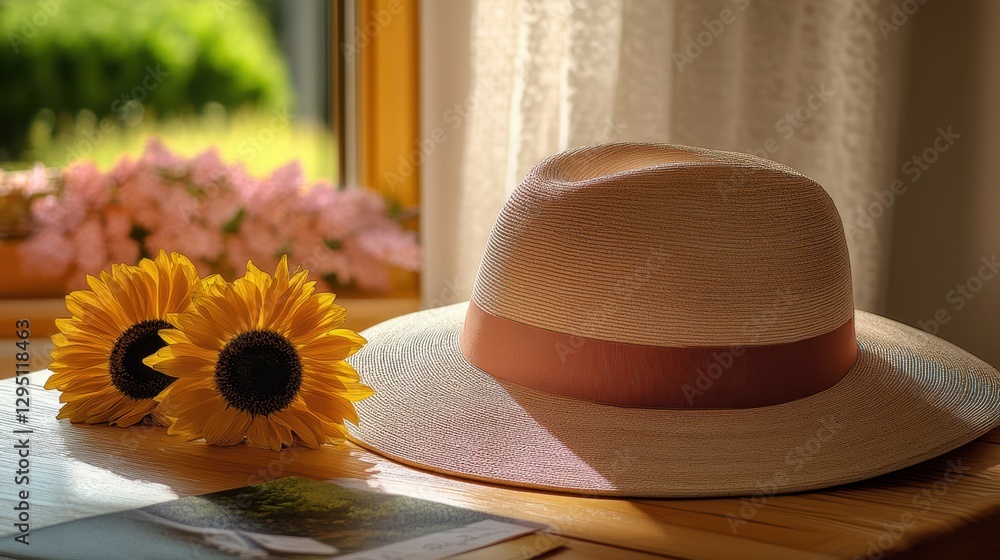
(667, 245)
(695, 251)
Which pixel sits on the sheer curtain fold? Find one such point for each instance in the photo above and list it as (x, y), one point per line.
(810, 83)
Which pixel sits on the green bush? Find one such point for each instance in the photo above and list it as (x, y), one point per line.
(172, 56)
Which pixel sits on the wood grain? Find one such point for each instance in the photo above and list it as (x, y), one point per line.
(947, 504)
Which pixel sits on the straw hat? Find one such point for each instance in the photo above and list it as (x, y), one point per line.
(656, 320)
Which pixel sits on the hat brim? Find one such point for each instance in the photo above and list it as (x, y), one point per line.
(909, 397)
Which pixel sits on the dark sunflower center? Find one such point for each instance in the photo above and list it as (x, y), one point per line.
(128, 374)
(258, 372)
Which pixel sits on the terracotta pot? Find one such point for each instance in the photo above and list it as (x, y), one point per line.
(15, 283)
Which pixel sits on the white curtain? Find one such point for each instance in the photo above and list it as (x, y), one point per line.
(811, 83)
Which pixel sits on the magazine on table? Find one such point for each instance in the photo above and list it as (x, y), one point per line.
(290, 517)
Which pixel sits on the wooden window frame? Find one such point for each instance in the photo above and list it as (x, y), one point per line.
(375, 105)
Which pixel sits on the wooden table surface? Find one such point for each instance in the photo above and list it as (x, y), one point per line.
(945, 508)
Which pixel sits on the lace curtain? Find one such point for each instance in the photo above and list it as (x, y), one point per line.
(811, 83)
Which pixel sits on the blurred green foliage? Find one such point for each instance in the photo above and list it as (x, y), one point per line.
(261, 139)
(122, 58)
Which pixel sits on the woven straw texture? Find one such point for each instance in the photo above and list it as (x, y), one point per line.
(668, 245)
(909, 397)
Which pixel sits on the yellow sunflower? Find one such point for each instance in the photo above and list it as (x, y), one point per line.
(97, 359)
(260, 359)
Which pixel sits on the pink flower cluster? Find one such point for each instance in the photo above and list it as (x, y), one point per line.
(219, 216)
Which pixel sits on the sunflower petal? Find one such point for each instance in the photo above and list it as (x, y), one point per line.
(303, 424)
(226, 427)
(260, 434)
(168, 361)
(303, 327)
(116, 302)
(191, 423)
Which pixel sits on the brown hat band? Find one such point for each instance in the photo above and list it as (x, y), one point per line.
(647, 376)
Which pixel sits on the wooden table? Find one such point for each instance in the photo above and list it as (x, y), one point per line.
(946, 508)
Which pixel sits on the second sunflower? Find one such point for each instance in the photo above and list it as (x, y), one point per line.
(260, 359)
